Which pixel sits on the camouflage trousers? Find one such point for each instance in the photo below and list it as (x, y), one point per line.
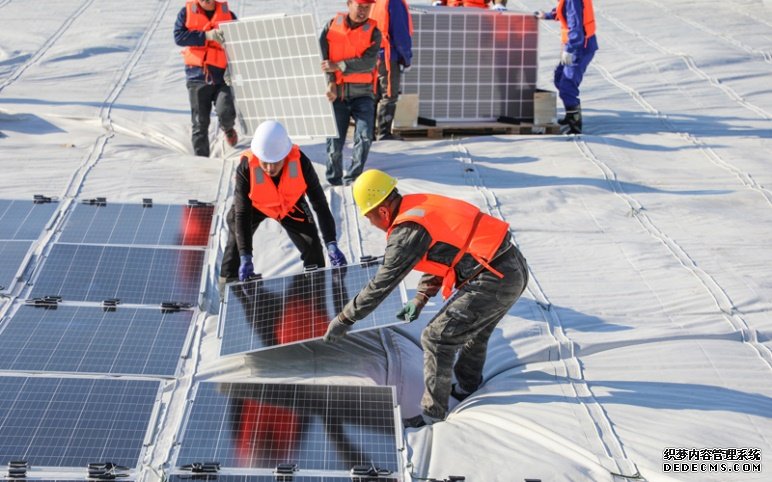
(462, 329)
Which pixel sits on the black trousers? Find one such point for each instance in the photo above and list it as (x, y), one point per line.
(202, 96)
(302, 232)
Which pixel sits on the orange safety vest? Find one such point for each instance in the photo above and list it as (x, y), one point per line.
(453, 222)
(469, 3)
(211, 53)
(380, 13)
(276, 201)
(347, 43)
(588, 20)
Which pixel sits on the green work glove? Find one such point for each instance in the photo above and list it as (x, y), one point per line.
(411, 310)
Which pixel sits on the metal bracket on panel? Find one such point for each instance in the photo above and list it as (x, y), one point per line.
(173, 306)
(310, 268)
(40, 199)
(369, 470)
(195, 203)
(254, 277)
(147, 202)
(451, 478)
(368, 260)
(106, 471)
(111, 304)
(202, 467)
(97, 201)
(17, 469)
(44, 302)
(286, 469)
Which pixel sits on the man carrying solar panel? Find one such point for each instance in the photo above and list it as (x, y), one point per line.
(350, 43)
(456, 246)
(205, 69)
(273, 180)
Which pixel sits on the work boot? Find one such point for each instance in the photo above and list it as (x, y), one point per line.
(573, 120)
(231, 137)
(459, 393)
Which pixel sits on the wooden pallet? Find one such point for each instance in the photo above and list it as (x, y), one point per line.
(473, 129)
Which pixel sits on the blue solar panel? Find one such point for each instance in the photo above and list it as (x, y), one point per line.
(132, 224)
(71, 422)
(279, 311)
(317, 427)
(90, 340)
(24, 219)
(12, 254)
(271, 478)
(133, 275)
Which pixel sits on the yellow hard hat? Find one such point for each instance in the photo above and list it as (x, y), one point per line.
(371, 188)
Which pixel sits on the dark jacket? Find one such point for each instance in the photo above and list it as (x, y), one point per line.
(196, 38)
(243, 208)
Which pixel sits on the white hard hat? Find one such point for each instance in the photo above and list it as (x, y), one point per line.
(271, 142)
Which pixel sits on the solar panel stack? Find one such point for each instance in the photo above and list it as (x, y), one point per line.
(110, 298)
(275, 69)
(471, 64)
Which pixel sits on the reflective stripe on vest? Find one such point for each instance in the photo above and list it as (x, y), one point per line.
(212, 53)
(347, 43)
(276, 201)
(380, 14)
(588, 20)
(456, 223)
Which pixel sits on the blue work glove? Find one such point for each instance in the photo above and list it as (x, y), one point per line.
(412, 309)
(336, 330)
(566, 58)
(247, 269)
(336, 255)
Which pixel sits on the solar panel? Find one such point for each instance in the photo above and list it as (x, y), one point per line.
(317, 427)
(275, 67)
(24, 220)
(272, 478)
(263, 314)
(132, 224)
(12, 254)
(71, 422)
(473, 64)
(133, 275)
(91, 340)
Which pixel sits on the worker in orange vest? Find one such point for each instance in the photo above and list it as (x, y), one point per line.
(577, 35)
(273, 180)
(197, 30)
(350, 43)
(457, 247)
(396, 54)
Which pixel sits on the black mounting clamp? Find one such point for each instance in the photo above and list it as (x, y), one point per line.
(48, 302)
(111, 304)
(286, 469)
(174, 306)
(17, 469)
(368, 470)
(106, 471)
(368, 260)
(147, 202)
(40, 199)
(96, 201)
(202, 467)
(195, 203)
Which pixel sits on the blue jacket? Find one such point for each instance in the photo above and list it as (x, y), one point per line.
(399, 34)
(196, 38)
(574, 15)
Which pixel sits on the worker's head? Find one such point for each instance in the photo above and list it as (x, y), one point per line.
(271, 145)
(375, 193)
(359, 10)
(207, 5)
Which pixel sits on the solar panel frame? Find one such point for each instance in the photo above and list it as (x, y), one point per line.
(324, 429)
(281, 311)
(275, 62)
(86, 339)
(135, 225)
(471, 64)
(71, 422)
(255, 477)
(80, 272)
